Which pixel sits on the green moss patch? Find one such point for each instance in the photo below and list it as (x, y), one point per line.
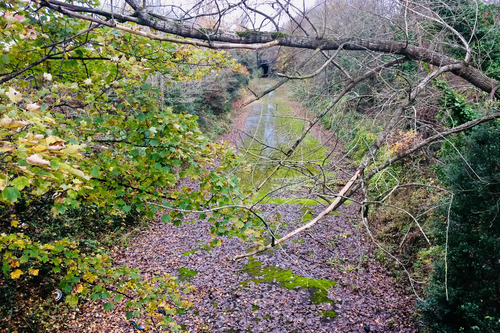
(186, 274)
(328, 314)
(196, 249)
(247, 33)
(278, 34)
(193, 251)
(307, 214)
(285, 278)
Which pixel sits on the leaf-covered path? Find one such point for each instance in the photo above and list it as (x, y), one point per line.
(285, 290)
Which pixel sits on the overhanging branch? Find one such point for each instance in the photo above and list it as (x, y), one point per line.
(234, 40)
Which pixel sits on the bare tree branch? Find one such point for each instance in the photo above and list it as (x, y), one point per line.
(472, 75)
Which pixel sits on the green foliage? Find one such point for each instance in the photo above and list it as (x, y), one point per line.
(483, 36)
(454, 106)
(213, 97)
(364, 138)
(210, 99)
(87, 149)
(474, 237)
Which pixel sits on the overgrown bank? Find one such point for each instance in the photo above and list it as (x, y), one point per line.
(434, 213)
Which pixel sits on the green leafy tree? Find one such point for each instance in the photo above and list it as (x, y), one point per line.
(83, 135)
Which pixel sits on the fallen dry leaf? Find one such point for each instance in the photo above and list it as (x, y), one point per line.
(37, 159)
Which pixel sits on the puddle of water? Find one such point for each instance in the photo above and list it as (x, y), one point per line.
(270, 131)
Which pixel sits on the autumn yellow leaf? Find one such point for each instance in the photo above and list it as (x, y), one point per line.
(33, 271)
(14, 263)
(40, 148)
(16, 274)
(79, 288)
(53, 139)
(49, 120)
(49, 246)
(14, 223)
(88, 276)
(71, 149)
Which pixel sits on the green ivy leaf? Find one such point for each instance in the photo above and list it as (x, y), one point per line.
(94, 173)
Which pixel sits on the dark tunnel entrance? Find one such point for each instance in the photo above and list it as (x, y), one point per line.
(265, 67)
(265, 70)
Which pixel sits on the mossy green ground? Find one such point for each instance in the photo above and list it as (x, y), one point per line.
(328, 314)
(186, 274)
(285, 278)
(282, 130)
(196, 249)
(193, 251)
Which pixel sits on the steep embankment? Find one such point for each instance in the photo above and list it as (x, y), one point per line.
(325, 280)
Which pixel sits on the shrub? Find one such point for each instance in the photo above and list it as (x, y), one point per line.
(470, 299)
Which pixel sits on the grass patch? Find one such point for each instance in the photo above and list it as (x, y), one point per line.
(276, 125)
